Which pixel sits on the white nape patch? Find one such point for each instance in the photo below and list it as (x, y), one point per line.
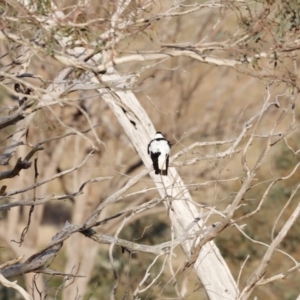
(158, 135)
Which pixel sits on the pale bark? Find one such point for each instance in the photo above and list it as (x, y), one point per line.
(15, 286)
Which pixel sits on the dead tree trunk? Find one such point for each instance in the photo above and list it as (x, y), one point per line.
(210, 266)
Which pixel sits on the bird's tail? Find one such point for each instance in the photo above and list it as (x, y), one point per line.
(164, 172)
(157, 171)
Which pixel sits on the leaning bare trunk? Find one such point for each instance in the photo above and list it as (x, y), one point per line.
(210, 266)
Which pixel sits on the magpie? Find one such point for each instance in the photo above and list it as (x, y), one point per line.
(159, 149)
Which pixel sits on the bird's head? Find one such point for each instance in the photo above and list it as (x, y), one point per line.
(158, 135)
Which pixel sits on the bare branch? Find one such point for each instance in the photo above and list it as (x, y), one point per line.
(15, 286)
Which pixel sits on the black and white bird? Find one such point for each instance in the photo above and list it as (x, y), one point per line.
(159, 149)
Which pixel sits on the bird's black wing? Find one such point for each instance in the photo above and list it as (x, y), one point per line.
(154, 157)
(149, 148)
(165, 172)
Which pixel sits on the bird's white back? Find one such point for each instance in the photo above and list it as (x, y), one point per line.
(161, 146)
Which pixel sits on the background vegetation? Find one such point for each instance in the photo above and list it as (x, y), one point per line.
(223, 74)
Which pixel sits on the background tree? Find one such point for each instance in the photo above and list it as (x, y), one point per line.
(82, 84)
